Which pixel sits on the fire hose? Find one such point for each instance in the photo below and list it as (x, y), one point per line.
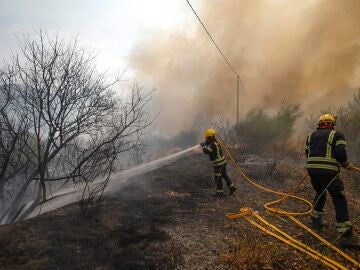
(255, 219)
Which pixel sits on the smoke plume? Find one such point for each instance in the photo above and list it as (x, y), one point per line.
(305, 52)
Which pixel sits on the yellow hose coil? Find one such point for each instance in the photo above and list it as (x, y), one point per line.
(285, 195)
(248, 213)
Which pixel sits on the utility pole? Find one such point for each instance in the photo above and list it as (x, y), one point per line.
(237, 100)
(226, 60)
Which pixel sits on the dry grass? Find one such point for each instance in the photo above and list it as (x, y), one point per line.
(250, 251)
(167, 219)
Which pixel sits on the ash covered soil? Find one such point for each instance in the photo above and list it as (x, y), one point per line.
(167, 219)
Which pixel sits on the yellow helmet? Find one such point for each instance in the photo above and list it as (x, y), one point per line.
(209, 133)
(327, 118)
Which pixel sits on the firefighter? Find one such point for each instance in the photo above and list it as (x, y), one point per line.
(325, 152)
(212, 148)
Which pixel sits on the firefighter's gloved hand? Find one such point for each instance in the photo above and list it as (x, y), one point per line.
(202, 144)
(348, 165)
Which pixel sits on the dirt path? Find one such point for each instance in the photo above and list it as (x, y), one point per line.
(165, 219)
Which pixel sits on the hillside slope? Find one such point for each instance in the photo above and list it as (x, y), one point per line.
(164, 219)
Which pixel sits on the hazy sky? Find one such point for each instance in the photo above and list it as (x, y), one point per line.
(286, 51)
(111, 27)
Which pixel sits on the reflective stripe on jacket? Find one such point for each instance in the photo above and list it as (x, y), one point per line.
(325, 151)
(215, 153)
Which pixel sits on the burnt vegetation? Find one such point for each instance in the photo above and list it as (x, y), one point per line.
(270, 141)
(266, 146)
(61, 120)
(264, 139)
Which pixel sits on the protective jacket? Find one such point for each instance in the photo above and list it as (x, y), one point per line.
(325, 151)
(213, 149)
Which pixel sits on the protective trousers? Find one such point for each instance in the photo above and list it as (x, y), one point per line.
(333, 184)
(220, 172)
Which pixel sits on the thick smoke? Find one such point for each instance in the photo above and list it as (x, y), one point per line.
(286, 51)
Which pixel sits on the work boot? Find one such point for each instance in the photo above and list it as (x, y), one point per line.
(347, 239)
(232, 190)
(317, 224)
(349, 242)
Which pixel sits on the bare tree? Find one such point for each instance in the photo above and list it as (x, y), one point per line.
(348, 123)
(136, 156)
(73, 115)
(14, 158)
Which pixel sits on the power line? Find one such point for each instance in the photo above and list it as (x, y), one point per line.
(238, 79)
(213, 41)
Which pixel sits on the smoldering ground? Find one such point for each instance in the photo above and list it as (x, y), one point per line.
(303, 52)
